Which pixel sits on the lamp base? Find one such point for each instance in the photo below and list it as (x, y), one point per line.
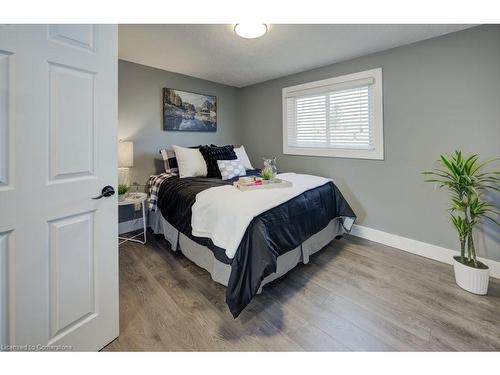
(124, 176)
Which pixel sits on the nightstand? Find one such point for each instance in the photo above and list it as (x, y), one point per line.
(135, 198)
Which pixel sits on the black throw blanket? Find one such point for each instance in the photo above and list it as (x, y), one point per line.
(269, 235)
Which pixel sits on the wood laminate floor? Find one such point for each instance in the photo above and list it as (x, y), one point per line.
(353, 295)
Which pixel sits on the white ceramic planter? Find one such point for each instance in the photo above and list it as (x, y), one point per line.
(474, 280)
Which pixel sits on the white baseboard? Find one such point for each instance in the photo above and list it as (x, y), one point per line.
(129, 226)
(424, 249)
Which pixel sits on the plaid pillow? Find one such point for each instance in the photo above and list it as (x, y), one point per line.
(211, 154)
(170, 161)
(153, 188)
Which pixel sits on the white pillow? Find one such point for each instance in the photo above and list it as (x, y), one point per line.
(231, 168)
(242, 155)
(190, 162)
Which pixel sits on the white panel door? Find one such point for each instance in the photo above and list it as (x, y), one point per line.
(58, 132)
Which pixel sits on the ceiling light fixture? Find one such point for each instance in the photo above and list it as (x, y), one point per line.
(250, 30)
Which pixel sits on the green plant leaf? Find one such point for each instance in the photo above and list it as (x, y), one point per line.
(481, 165)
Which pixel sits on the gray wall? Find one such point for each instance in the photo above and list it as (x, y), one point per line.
(439, 95)
(139, 117)
(140, 109)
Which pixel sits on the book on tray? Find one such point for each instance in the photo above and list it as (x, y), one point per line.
(250, 181)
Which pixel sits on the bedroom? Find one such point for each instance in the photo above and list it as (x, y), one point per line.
(255, 192)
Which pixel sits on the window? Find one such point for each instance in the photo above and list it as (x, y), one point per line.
(336, 117)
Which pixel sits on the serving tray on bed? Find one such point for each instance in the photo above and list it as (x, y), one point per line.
(277, 183)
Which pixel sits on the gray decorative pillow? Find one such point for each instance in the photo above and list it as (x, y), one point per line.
(231, 168)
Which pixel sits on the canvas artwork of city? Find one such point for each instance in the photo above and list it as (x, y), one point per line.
(187, 111)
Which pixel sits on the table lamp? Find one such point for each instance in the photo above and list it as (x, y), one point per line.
(125, 161)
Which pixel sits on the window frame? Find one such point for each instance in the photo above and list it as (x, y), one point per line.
(375, 153)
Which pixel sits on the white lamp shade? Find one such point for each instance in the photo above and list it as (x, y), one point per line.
(125, 154)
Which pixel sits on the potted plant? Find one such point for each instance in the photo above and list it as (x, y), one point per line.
(122, 192)
(466, 180)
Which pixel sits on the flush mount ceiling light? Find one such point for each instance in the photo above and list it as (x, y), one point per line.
(250, 30)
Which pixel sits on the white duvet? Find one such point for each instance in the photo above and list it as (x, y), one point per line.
(223, 213)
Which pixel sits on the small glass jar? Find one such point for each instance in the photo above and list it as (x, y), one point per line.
(270, 169)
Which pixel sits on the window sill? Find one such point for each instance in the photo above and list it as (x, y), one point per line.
(375, 154)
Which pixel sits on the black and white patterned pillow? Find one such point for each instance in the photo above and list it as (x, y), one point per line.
(169, 161)
(231, 168)
(212, 154)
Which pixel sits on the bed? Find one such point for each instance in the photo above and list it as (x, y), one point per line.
(267, 234)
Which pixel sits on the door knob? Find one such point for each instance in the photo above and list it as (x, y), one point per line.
(107, 191)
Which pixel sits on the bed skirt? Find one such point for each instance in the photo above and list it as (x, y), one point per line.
(220, 272)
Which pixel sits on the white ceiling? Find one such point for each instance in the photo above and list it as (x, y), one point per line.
(216, 53)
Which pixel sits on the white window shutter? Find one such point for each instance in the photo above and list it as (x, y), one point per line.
(307, 117)
(334, 119)
(351, 118)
